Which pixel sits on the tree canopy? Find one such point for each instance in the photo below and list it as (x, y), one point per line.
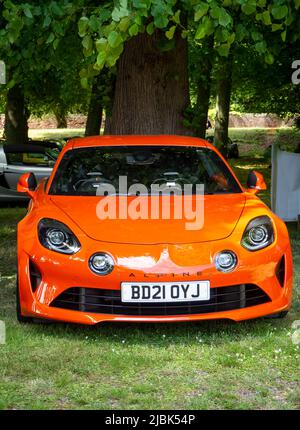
(51, 46)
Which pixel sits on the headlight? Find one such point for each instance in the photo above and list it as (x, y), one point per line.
(101, 263)
(259, 234)
(226, 261)
(56, 236)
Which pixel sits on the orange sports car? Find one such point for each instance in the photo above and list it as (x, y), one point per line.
(149, 229)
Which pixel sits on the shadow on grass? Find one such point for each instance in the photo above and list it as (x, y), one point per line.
(214, 332)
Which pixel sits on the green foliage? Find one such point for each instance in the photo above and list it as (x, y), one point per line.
(35, 35)
(230, 21)
(266, 88)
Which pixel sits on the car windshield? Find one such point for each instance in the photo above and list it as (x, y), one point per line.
(89, 171)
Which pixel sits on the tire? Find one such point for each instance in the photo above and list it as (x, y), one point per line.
(20, 317)
(279, 315)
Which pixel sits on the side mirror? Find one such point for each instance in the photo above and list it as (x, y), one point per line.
(27, 184)
(255, 182)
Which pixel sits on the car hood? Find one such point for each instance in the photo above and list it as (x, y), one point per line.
(217, 218)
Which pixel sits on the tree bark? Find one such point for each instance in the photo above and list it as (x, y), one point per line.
(224, 84)
(16, 117)
(152, 88)
(203, 89)
(61, 118)
(94, 118)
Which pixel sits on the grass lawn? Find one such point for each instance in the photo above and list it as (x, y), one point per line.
(222, 365)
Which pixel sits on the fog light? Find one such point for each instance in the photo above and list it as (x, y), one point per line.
(101, 264)
(225, 261)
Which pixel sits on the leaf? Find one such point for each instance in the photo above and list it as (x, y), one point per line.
(47, 21)
(170, 32)
(101, 44)
(256, 36)
(223, 50)
(50, 39)
(150, 28)
(84, 83)
(83, 24)
(161, 21)
(261, 47)
(101, 58)
(224, 17)
(266, 17)
(184, 34)
(241, 32)
(57, 9)
(114, 39)
(139, 4)
(119, 13)
(113, 55)
(276, 27)
(87, 42)
(56, 43)
(269, 58)
(200, 10)
(205, 28)
(215, 12)
(27, 11)
(249, 8)
(280, 12)
(124, 24)
(283, 36)
(176, 17)
(133, 30)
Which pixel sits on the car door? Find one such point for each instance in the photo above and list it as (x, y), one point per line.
(23, 160)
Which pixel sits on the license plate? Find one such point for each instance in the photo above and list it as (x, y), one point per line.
(156, 292)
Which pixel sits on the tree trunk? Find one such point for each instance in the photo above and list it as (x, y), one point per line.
(61, 118)
(223, 104)
(16, 117)
(94, 118)
(152, 89)
(203, 89)
(107, 128)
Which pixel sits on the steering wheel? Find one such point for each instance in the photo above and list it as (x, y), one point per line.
(92, 183)
(171, 181)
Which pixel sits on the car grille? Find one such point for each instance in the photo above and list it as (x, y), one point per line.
(109, 302)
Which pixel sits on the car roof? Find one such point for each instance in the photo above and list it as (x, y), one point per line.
(164, 140)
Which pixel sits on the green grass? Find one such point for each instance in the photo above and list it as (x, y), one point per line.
(55, 133)
(208, 365)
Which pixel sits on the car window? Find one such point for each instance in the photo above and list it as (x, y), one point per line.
(84, 171)
(29, 159)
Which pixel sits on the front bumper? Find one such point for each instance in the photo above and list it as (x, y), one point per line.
(142, 263)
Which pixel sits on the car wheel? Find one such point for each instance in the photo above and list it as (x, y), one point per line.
(20, 317)
(279, 315)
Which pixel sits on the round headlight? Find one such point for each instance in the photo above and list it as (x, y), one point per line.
(258, 234)
(56, 237)
(226, 261)
(101, 263)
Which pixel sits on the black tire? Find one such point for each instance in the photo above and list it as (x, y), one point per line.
(278, 315)
(20, 317)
